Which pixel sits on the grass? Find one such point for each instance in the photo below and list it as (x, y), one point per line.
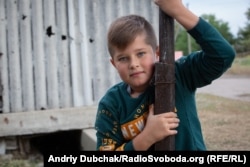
(240, 66)
(225, 122)
(20, 163)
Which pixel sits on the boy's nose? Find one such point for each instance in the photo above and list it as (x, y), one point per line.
(134, 62)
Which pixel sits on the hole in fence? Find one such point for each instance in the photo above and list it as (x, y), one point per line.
(24, 17)
(64, 37)
(58, 141)
(49, 31)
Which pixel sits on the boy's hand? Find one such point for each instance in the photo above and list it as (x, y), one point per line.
(157, 128)
(170, 7)
(160, 126)
(179, 12)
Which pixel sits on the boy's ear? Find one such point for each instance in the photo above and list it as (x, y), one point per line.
(112, 61)
(157, 52)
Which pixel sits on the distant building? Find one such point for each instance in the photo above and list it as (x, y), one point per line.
(178, 54)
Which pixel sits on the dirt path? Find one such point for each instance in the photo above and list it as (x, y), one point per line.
(235, 87)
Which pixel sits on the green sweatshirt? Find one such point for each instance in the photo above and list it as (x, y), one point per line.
(120, 117)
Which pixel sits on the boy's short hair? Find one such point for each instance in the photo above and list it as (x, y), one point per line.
(125, 29)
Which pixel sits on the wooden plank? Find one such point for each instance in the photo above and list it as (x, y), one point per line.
(35, 122)
(2, 146)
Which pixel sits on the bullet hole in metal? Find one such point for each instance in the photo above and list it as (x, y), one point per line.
(64, 37)
(49, 31)
(91, 40)
(24, 17)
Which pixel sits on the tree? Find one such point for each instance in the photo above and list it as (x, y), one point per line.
(243, 40)
(181, 41)
(220, 25)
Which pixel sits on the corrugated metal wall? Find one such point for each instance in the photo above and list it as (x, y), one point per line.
(53, 53)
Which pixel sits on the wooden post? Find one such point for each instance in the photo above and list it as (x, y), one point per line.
(165, 76)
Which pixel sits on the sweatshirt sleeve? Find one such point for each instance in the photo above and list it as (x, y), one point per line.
(108, 132)
(215, 57)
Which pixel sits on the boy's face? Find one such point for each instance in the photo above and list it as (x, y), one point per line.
(135, 64)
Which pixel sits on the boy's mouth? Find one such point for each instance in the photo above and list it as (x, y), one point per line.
(136, 73)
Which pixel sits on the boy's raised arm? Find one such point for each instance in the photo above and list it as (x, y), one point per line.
(179, 12)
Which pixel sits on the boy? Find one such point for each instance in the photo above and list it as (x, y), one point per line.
(125, 118)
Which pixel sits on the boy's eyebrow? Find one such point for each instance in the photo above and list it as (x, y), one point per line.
(136, 50)
(119, 55)
(140, 49)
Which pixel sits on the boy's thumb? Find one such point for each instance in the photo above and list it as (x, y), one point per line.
(151, 109)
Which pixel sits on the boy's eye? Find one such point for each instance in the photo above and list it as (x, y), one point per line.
(141, 53)
(122, 59)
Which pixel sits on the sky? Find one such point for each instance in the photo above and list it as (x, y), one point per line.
(231, 11)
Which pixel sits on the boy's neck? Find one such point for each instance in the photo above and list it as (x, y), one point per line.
(133, 93)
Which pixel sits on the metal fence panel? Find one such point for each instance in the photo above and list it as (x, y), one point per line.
(54, 52)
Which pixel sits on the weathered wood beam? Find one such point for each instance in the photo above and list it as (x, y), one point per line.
(45, 121)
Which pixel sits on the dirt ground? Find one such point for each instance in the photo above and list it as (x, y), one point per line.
(226, 129)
